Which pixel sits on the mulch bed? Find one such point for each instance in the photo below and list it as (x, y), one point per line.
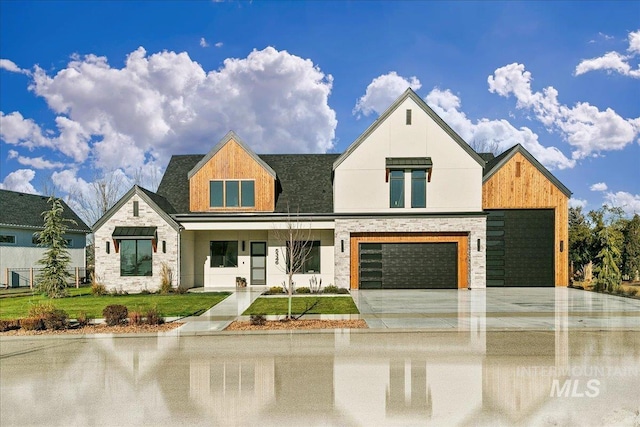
(99, 329)
(298, 324)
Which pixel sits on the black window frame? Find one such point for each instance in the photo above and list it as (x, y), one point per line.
(137, 270)
(227, 260)
(224, 183)
(393, 179)
(314, 251)
(422, 180)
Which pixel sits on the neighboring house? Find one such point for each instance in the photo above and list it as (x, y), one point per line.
(21, 217)
(405, 206)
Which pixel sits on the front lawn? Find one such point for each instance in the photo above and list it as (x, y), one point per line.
(326, 305)
(172, 305)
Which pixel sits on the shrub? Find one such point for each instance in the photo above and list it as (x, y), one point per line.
(32, 324)
(56, 319)
(331, 289)
(181, 290)
(135, 318)
(166, 278)
(303, 290)
(343, 290)
(115, 314)
(41, 309)
(145, 291)
(83, 318)
(258, 319)
(98, 289)
(275, 290)
(9, 325)
(153, 317)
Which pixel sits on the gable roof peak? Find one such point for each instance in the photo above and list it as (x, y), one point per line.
(231, 135)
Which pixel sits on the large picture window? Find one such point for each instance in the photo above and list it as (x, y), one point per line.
(232, 194)
(136, 258)
(396, 188)
(418, 188)
(224, 253)
(311, 262)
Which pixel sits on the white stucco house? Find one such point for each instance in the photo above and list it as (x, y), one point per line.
(403, 207)
(20, 221)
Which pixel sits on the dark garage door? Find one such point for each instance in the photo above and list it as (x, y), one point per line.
(408, 265)
(520, 246)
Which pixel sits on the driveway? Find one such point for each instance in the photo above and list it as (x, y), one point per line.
(496, 308)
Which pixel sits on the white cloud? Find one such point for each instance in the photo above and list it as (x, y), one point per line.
(614, 61)
(577, 203)
(203, 42)
(219, 44)
(382, 91)
(34, 162)
(583, 126)
(630, 203)
(166, 103)
(599, 186)
(493, 132)
(11, 66)
(19, 180)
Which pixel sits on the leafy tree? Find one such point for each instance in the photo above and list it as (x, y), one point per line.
(580, 239)
(56, 260)
(631, 248)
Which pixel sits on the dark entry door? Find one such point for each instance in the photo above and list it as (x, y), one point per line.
(258, 263)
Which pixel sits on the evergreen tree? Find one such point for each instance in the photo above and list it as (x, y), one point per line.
(54, 276)
(631, 249)
(607, 270)
(580, 239)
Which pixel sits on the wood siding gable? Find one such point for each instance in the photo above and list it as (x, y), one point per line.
(232, 159)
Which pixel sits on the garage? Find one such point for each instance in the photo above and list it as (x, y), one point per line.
(520, 247)
(408, 265)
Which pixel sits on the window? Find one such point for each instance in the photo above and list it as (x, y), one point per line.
(408, 117)
(224, 253)
(136, 209)
(232, 194)
(35, 240)
(136, 258)
(7, 239)
(396, 188)
(311, 264)
(418, 188)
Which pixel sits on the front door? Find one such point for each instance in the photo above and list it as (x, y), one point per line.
(259, 263)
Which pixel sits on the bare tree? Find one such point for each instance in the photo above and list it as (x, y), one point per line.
(102, 194)
(296, 237)
(485, 146)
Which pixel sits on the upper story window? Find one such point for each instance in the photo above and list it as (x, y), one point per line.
(232, 194)
(418, 188)
(396, 188)
(7, 239)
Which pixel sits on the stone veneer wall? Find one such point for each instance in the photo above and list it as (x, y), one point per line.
(476, 226)
(108, 264)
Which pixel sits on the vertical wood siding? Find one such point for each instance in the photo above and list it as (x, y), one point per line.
(232, 162)
(531, 190)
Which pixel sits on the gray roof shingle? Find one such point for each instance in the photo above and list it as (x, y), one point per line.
(25, 210)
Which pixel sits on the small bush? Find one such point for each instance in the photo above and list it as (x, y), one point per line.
(135, 318)
(275, 290)
(97, 288)
(41, 309)
(303, 290)
(9, 325)
(56, 319)
(343, 290)
(115, 314)
(258, 319)
(181, 290)
(331, 289)
(153, 317)
(166, 278)
(145, 291)
(32, 324)
(83, 318)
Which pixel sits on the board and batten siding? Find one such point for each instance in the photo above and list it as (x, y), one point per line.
(232, 162)
(528, 188)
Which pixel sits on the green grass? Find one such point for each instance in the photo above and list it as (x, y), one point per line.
(172, 305)
(326, 305)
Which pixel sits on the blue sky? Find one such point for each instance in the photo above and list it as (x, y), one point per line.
(115, 88)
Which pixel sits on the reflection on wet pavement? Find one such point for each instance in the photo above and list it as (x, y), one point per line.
(561, 377)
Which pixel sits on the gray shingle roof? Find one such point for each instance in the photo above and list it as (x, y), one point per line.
(304, 181)
(25, 210)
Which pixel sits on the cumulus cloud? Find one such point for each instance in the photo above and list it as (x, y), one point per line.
(219, 44)
(587, 129)
(577, 203)
(166, 103)
(382, 91)
(614, 61)
(630, 203)
(499, 134)
(203, 42)
(11, 66)
(599, 186)
(19, 180)
(34, 162)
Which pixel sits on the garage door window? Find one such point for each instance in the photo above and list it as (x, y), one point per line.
(396, 188)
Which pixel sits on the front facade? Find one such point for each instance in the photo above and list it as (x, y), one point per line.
(403, 207)
(20, 221)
